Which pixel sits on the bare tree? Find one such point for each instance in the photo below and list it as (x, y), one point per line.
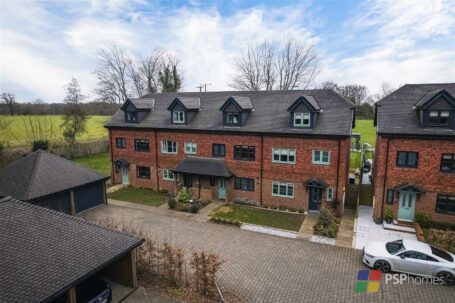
(137, 80)
(330, 85)
(355, 93)
(268, 66)
(249, 70)
(112, 74)
(4, 130)
(297, 65)
(150, 67)
(10, 101)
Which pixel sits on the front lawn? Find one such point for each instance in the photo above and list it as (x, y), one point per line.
(100, 162)
(139, 195)
(259, 216)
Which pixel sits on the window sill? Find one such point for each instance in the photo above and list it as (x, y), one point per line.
(164, 153)
(141, 151)
(288, 163)
(279, 196)
(316, 163)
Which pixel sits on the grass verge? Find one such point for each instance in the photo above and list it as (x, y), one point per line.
(367, 131)
(139, 195)
(259, 216)
(100, 162)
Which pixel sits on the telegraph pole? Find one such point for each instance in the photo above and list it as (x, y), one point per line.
(203, 85)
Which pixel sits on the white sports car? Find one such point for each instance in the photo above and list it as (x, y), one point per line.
(412, 257)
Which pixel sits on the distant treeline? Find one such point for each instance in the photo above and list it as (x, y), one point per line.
(90, 108)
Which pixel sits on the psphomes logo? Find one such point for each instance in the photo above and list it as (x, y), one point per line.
(368, 281)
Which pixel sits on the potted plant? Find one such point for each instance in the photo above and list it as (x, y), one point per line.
(388, 215)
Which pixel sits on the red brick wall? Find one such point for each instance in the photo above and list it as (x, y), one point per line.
(427, 175)
(297, 173)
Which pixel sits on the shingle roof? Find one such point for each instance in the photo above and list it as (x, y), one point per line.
(43, 252)
(41, 173)
(269, 116)
(203, 166)
(144, 103)
(396, 113)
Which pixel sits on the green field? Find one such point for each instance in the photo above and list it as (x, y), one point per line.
(366, 130)
(100, 162)
(24, 129)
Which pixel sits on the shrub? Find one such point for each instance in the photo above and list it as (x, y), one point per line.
(172, 203)
(40, 144)
(423, 219)
(1, 146)
(205, 267)
(388, 213)
(184, 195)
(327, 224)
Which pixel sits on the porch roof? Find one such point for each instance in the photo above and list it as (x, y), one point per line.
(204, 167)
(409, 187)
(315, 182)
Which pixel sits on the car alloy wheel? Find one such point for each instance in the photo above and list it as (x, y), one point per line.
(447, 277)
(382, 265)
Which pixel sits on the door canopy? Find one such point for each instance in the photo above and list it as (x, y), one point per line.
(409, 187)
(315, 182)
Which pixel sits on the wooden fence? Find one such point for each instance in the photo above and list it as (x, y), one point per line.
(366, 193)
(78, 150)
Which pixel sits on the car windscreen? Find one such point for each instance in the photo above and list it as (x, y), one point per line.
(394, 247)
(441, 254)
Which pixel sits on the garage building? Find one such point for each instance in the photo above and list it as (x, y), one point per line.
(45, 254)
(53, 182)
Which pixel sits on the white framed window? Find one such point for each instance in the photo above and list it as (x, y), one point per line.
(329, 193)
(321, 157)
(302, 119)
(190, 148)
(168, 147)
(283, 155)
(282, 189)
(168, 175)
(178, 117)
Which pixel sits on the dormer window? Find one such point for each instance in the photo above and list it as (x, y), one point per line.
(137, 109)
(236, 110)
(234, 119)
(131, 117)
(438, 117)
(178, 117)
(304, 112)
(302, 119)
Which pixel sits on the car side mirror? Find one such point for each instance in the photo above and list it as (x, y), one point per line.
(402, 257)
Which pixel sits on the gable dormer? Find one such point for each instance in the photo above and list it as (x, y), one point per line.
(304, 112)
(235, 110)
(436, 109)
(136, 109)
(183, 109)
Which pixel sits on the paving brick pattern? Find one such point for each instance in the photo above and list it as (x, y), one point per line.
(264, 268)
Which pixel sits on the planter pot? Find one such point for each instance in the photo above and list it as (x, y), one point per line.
(389, 221)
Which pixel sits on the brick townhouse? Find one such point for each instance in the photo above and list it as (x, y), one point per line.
(279, 148)
(415, 152)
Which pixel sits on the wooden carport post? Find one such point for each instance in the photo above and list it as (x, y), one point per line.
(71, 295)
(72, 203)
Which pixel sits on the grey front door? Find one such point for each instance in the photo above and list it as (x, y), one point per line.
(315, 197)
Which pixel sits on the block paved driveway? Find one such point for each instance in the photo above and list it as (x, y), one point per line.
(264, 268)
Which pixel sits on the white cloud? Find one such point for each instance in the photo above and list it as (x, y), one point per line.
(408, 42)
(399, 41)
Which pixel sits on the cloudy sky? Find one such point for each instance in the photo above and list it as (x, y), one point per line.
(45, 43)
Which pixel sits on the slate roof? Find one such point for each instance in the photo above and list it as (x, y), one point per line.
(41, 173)
(396, 113)
(203, 166)
(190, 103)
(269, 116)
(43, 252)
(313, 102)
(144, 103)
(243, 102)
